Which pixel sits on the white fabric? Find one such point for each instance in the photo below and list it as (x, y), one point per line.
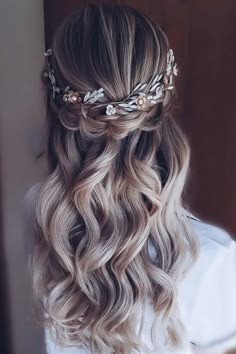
(206, 298)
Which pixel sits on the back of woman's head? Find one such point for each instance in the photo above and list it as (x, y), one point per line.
(114, 187)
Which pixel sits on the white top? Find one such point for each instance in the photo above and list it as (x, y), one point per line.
(206, 297)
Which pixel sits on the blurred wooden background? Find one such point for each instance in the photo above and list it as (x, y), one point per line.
(203, 36)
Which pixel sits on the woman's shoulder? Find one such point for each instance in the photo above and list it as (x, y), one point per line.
(217, 253)
(29, 205)
(31, 195)
(208, 291)
(210, 234)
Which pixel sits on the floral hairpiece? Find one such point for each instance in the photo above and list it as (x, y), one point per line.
(136, 100)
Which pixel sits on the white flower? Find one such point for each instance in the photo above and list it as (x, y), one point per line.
(110, 110)
(140, 101)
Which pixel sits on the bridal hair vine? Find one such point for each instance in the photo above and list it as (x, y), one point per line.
(136, 100)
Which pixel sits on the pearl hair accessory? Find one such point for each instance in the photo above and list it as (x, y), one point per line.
(136, 100)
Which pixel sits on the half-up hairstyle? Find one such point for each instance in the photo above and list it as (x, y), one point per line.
(111, 227)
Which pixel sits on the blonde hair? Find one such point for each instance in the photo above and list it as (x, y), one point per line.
(114, 190)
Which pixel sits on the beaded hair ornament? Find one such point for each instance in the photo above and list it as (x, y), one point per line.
(136, 100)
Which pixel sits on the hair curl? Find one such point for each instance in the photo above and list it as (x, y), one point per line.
(114, 190)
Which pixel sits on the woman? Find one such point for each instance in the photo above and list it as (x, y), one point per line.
(120, 265)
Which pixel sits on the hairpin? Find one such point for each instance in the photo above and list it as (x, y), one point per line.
(136, 100)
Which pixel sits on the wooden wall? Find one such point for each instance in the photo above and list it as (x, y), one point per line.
(203, 35)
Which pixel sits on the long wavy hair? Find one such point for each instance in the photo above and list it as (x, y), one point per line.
(111, 227)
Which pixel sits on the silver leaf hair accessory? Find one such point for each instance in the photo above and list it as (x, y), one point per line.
(136, 100)
(49, 73)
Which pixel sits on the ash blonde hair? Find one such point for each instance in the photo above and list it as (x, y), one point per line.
(114, 190)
